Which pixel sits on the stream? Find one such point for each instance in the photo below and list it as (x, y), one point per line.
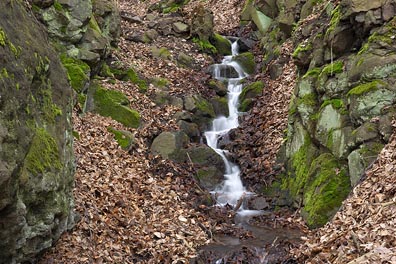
(267, 244)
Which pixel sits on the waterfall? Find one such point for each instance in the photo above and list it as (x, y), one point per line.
(232, 189)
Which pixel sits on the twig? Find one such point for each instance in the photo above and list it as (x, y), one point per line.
(239, 203)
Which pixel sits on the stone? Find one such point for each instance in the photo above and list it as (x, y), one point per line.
(248, 93)
(114, 104)
(262, 21)
(180, 28)
(268, 8)
(220, 106)
(329, 120)
(218, 86)
(127, 16)
(259, 203)
(246, 61)
(191, 129)
(222, 45)
(108, 18)
(185, 60)
(366, 132)
(209, 177)
(169, 145)
(161, 53)
(357, 6)
(36, 141)
(223, 71)
(202, 23)
(124, 138)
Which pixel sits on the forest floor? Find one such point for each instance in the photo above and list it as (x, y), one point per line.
(137, 208)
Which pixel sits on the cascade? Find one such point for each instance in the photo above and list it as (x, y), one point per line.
(232, 189)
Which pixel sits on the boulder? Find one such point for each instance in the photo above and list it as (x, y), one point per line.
(248, 93)
(111, 103)
(218, 86)
(202, 23)
(170, 145)
(246, 61)
(36, 140)
(223, 71)
(124, 138)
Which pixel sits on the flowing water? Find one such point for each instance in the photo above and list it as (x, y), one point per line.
(232, 189)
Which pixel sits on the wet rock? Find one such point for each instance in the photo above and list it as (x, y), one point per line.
(259, 203)
(224, 71)
(222, 45)
(249, 92)
(191, 129)
(220, 87)
(209, 177)
(220, 106)
(246, 61)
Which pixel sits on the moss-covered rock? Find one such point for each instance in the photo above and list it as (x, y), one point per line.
(162, 53)
(170, 145)
(78, 72)
(220, 106)
(130, 75)
(36, 157)
(246, 61)
(124, 138)
(114, 104)
(327, 186)
(222, 45)
(248, 93)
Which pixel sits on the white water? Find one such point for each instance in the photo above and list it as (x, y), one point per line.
(232, 189)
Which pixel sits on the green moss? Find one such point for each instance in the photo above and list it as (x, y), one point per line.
(162, 53)
(335, 20)
(114, 104)
(246, 61)
(366, 87)
(302, 47)
(133, 77)
(124, 138)
(94, 25)
(252, 90)
(205, 107)
(308, 99)
(105, 71)
(336, 103)
(4, 73)
(333, 68)
(300, 162)
(363, 49)
(58, 6)
(77, 71)
(327, 187)
(3, 37)
(312, 73)
(160, 82)
(245, 105)
(205, 46)
(76, 135)
(47, 106)
(223, 45)
(43, 153)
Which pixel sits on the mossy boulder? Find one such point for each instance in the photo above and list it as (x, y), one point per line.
(113, 104)
(36, 157)
(162, 53)
(220, 87)
(124, 138)
(326, 187)
(222, 45)
(78, 72)
(220, 106)
(209, 177)
(246, 61)
(130, 75)
(248, 93)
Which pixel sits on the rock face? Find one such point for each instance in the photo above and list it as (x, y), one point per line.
(344, 99)
(36, 155)
(338, 103)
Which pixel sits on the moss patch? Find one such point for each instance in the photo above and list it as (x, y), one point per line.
(303, 47)
(367, 87)
(205, 46)
(205, 107)
(114, 104)
(124, 138)
(77, 71)
(334, 21)
(327, 187)
(333, 68)
(42, 155)
(312, 73)
(132, 76)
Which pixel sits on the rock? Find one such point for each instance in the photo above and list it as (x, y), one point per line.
(124, 138)
(366, 132)
(205, 156)
(209, 177)
(180, 28)
(218, 86)
(78, 72)
(246, 61)
(169, 145)
(329, 119)
(222, 45)
(112, 104)
(183, 115)
(36, 141)
(223, 71)
(185, 60)
(220, 106)
(259, 203)
(191, 129)
(162, 53)
(131, 17)
(268, 8)
(109, 19)
(262, 21)
(202, 23)
(248, 93)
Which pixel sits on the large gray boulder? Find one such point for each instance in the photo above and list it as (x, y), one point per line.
(36, 155)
